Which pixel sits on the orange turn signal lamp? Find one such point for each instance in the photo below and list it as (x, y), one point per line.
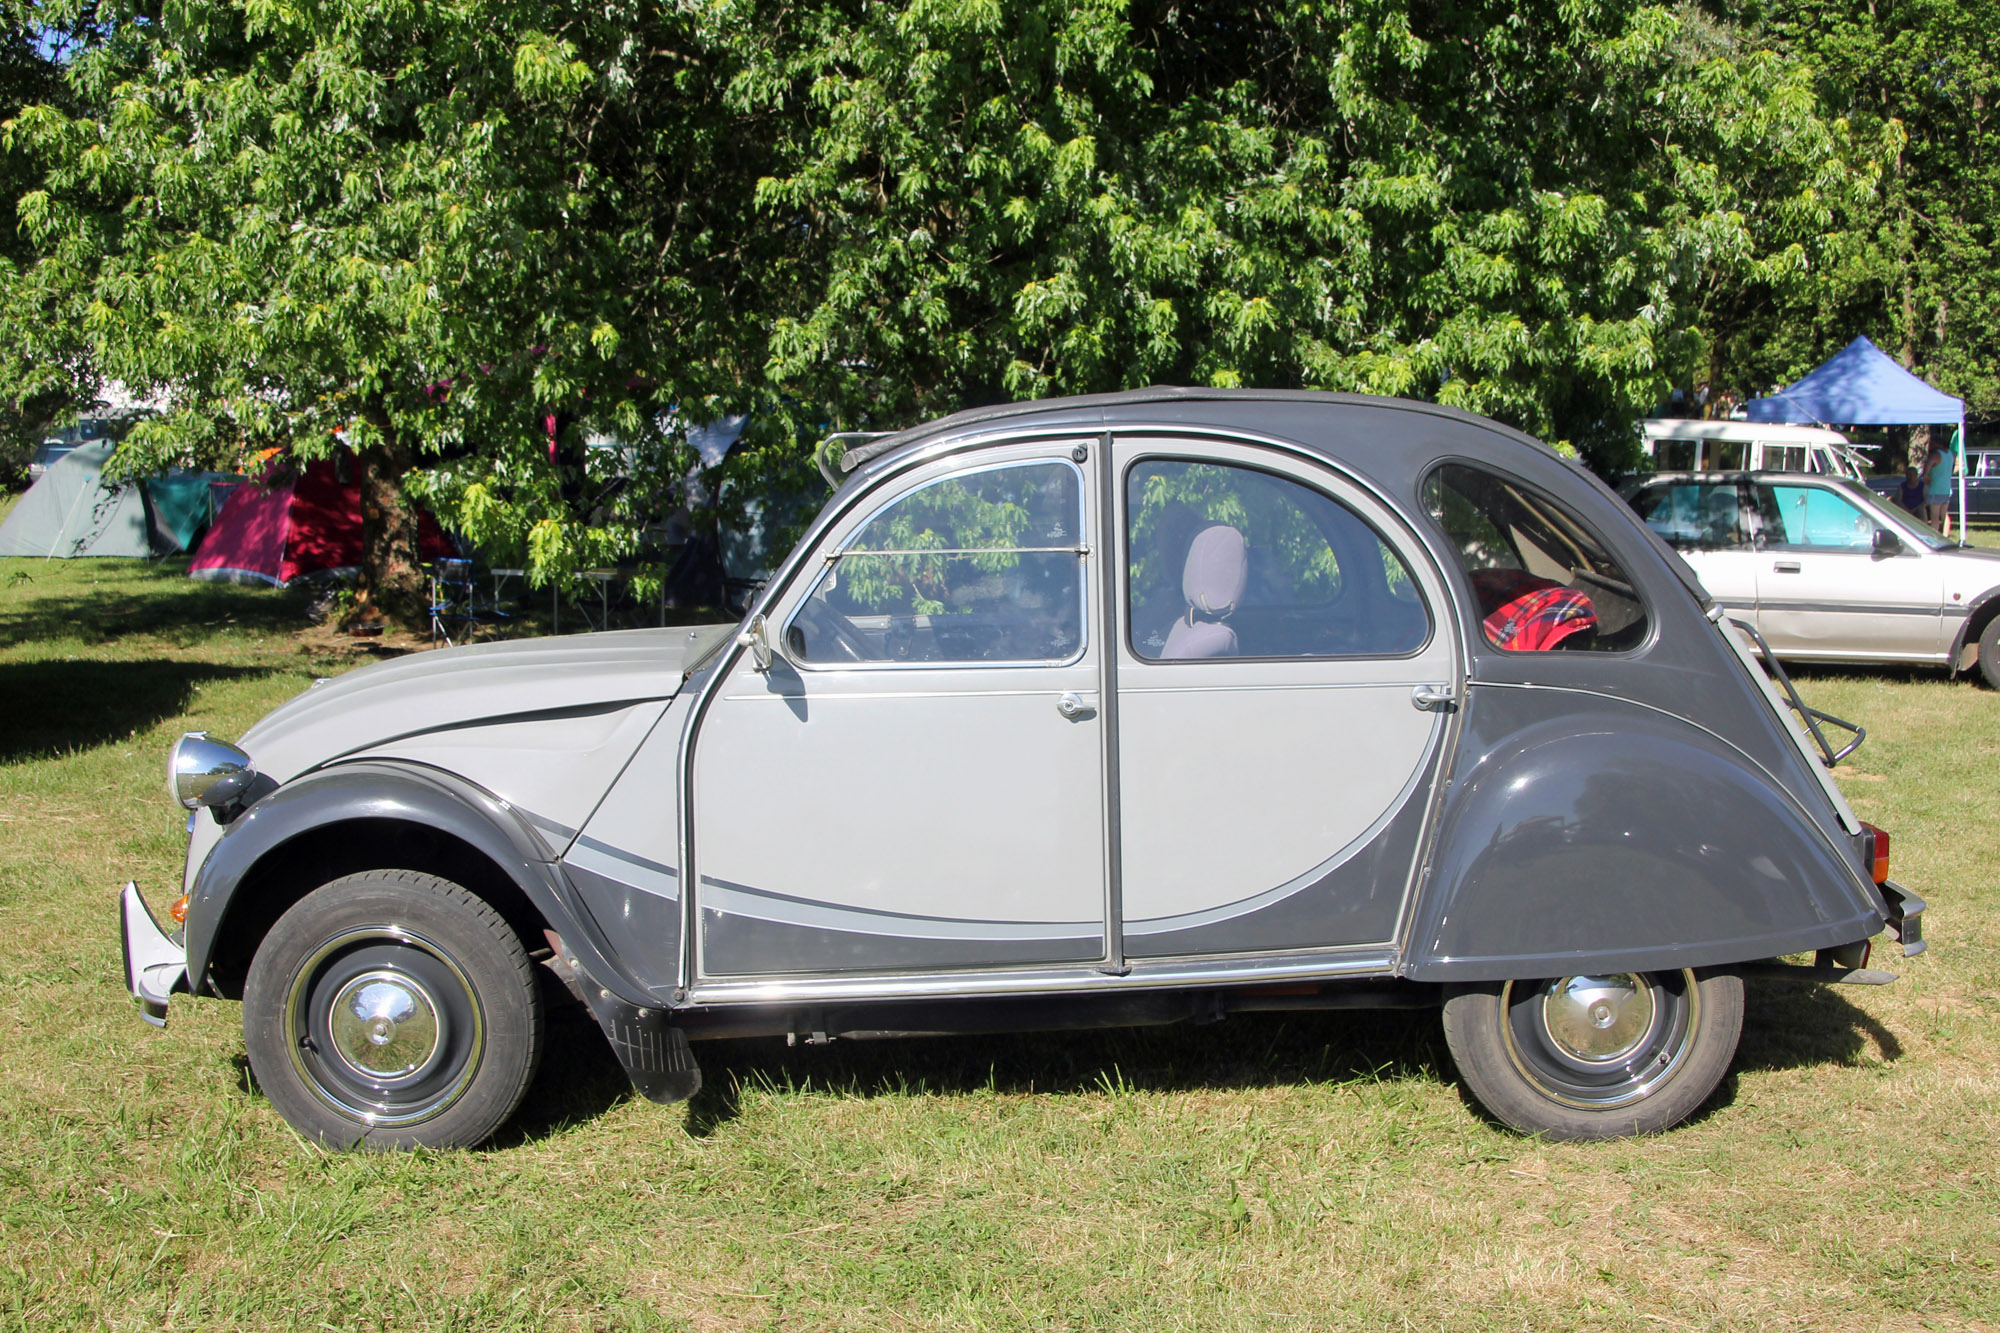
(179, 910)
(1878, 852)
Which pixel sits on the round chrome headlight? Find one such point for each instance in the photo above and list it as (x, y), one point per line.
(203, 771)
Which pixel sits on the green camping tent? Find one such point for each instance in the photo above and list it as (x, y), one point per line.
(73, 511)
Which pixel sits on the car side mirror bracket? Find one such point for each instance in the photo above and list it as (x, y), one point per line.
(754, 638)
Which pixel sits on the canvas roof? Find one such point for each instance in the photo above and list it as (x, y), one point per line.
(1860, 385)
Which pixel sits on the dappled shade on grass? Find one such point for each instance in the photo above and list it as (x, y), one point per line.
(58, 707)
(101, 602)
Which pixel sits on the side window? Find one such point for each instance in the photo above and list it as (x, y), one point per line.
(1227, 561)
(1784, 457)
(1543, 580)
(1693, 516)
(1815, 517)
(982, 567)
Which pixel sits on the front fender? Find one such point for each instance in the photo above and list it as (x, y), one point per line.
(1593, 835)
(396, 793)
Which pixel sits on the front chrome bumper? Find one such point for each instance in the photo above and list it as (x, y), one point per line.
(155, 966)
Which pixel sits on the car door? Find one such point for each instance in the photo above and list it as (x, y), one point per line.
(915, 782)
(1703, 520)
(1822, 589)
(1281, 658)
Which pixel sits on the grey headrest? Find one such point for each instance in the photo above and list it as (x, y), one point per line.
(1218, 565)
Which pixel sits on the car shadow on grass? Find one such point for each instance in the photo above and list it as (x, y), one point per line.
(55, 708)
(1787, 1026)
(1246, 1051)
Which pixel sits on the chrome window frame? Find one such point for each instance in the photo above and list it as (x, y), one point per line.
(831, 559)
(1122, 555)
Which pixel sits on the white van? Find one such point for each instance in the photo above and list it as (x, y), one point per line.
(1748, 446)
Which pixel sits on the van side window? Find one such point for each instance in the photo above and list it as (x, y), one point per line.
(1544, 580)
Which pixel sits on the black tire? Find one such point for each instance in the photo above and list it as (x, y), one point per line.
(1989, 653)
(438, 1027)
(1595, 1057)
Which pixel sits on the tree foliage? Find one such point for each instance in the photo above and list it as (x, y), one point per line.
(440, 232)
(1917, 266)
(1511, 208)
(466, 234)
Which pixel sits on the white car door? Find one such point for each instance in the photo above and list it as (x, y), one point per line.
(1824, 592)
(916, 781)
(1274, 760)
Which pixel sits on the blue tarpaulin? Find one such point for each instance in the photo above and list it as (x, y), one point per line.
(1861, 385)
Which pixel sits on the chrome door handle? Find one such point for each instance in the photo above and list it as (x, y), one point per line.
(1432, 698)
(1071, 704)
(1786, 567)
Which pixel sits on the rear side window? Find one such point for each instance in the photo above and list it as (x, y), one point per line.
(1693, 515)
(1545, 582)
(1232, 561)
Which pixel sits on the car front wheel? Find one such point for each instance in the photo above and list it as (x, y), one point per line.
(391, 1009)
(1595, 1057)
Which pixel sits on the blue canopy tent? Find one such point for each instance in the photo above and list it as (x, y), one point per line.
(1861, 385)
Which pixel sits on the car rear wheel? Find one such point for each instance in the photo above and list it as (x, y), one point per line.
(391, 1009)
(1989, 653)
(1595, 1057)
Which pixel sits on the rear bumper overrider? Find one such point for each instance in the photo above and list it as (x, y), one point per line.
(1906, 917)
(155, 964)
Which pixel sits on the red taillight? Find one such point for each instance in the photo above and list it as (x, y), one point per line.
(1878, 852)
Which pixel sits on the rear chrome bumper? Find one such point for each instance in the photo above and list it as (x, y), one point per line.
(1906, 917)
(155, 966)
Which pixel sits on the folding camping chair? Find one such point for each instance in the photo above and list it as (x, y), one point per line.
(454, 606)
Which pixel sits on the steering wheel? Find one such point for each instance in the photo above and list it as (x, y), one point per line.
(830, 635)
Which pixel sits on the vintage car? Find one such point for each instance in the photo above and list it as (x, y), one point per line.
(1098, 712)
(1827, 571)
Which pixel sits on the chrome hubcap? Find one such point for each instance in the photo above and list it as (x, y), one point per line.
(1602, 1042)
(384, 1025)
(1598, 1020)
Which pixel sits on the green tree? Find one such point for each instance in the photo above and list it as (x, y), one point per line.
(47, 374)
(1919, 268)
(1515, 208)
(455, 234)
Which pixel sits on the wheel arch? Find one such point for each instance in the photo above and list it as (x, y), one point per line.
(378, 815)
(1977, 616)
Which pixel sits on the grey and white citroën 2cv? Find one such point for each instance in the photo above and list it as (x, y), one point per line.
(1096, 712)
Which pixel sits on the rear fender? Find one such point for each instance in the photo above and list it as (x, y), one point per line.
(1594, 835)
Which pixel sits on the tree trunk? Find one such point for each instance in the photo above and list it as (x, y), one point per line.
(392, 576)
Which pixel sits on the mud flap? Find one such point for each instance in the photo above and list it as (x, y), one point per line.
(654, 1052)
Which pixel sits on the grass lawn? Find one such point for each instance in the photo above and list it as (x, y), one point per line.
(1267, 1172)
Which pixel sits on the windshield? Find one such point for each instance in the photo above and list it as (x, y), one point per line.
(1895, 517)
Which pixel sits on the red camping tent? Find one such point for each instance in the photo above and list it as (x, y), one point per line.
(293, 524)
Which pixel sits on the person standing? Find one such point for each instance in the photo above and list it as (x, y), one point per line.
(1937, 489)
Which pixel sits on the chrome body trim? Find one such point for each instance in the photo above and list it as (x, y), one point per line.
(1085, 979)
